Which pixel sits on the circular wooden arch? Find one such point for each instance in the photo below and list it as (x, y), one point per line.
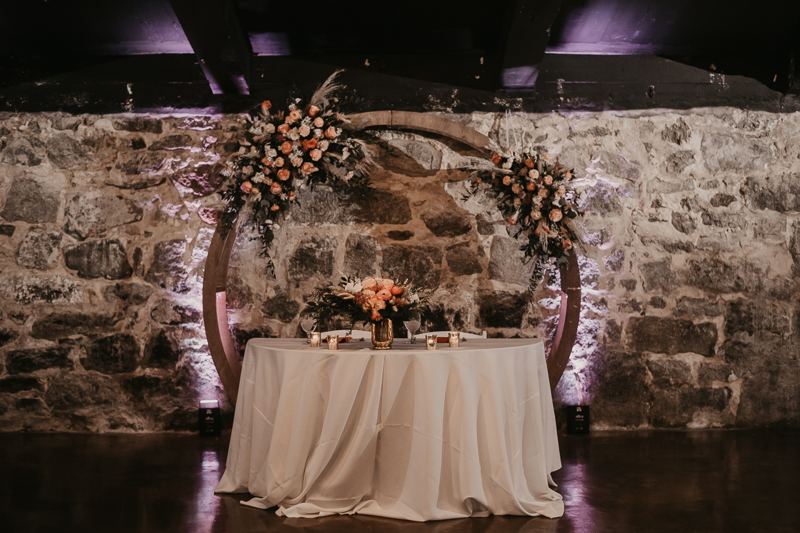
(215, 305)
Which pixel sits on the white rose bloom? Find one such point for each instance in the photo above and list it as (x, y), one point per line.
(297, 161)
(323, 145)
(270, 128)
(272, 152)
(292, 107)
(258, 178)
(317, 133)
(293, 135)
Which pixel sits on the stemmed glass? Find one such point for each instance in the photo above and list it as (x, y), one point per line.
(309, 324)
(412, 325)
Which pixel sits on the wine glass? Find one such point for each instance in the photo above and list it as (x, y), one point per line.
(412, 325)
(309, 324)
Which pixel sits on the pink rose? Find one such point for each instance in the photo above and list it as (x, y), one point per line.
(316, 155)
(533, 174)
(304, 131)
(384, 294)
(279, 162)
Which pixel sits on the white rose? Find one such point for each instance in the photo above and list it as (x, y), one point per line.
(272, 152)
(270, 128)
(323, 145)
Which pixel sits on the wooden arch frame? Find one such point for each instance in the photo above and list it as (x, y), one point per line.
(215, 312)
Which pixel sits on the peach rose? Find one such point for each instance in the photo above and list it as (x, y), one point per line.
(313, 110)
(567, 244)
(292, 196)
(548, 180)
(309, 144)
(308, 168)
(543, 193)
(279, 162)
(506, 180)
(276, 188)
(283, 128)
(316, 155)
(304, 131)
(368, 293)
(536, 215)
(516, 188)
(267, 162)
(286, 148)
(318, 122)
(533, 174)
(283, 174)
(384, 294)
(568, 176)
(295, 115)
(247, 187)
(387, 284)
(496, 159)
(397, 290)
(529, 163)
(266, 105)
(330, 133)
(556, 215)
(531, 186)
(275, 207)
(369, 283)
(375, 316)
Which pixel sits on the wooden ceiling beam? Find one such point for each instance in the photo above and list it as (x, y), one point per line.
(219, 41)
(526, 32)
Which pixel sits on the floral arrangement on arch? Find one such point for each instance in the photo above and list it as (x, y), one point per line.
(367, 300)
(305, 144)
(537, 196)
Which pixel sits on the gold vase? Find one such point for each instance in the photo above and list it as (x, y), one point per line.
(382, 334)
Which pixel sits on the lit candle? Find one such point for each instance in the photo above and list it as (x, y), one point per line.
(314, 339)
(454, 339)
(333, 342)
(430, 341)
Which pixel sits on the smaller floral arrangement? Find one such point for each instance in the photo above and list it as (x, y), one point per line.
(537, 196)
(367, 300)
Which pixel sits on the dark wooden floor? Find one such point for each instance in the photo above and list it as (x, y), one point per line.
(726, 481)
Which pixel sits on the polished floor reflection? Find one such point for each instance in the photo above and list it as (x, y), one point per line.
(726, 481)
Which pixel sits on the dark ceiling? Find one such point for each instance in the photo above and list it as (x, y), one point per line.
(112, 56)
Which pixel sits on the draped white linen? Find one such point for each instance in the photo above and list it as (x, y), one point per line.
(404, 433)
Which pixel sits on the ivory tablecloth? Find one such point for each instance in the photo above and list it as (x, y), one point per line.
(402, 433)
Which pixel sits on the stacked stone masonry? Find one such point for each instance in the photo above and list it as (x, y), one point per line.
(690, 265)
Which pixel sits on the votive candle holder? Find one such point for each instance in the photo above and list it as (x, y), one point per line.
(315, 339)
(455, 339)
(431, 341)
(333, 342)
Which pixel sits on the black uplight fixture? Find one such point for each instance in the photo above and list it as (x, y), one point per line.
(578, 419)
(208, 418)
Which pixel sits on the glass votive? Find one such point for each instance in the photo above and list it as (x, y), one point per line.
(430, 341)
(314, 339)
(455, 338)
(333, 342)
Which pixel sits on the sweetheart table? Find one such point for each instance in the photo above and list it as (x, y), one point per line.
(404, 433)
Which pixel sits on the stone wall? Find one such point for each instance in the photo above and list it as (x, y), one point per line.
(689, 269)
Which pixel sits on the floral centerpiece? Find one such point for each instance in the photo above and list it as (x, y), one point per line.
(379, 301)
(537, 197)
(304, 144)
